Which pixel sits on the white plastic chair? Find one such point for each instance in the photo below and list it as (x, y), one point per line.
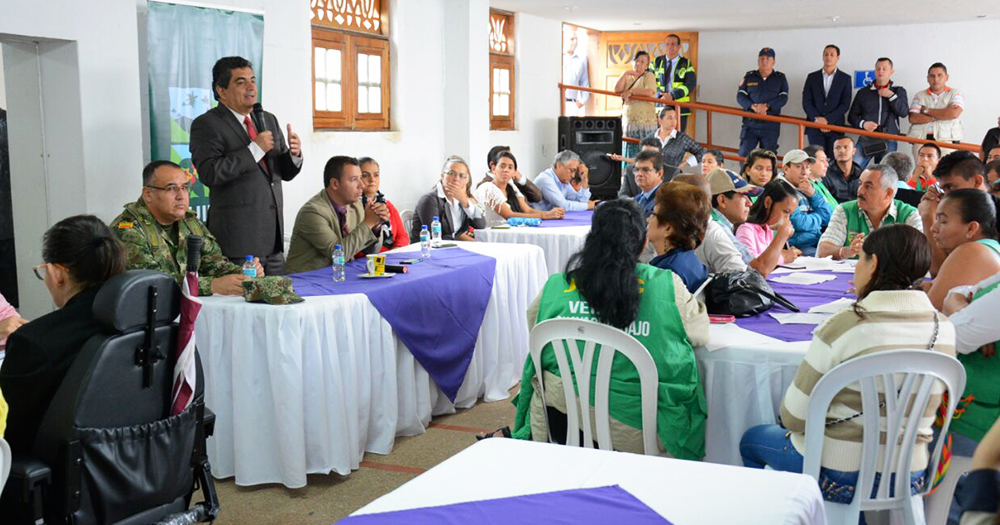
(5, 460)
(407, 217)
(563, 332)
(901, 374)
(937, 505)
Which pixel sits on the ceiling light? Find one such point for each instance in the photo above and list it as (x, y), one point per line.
(980, 16)
(572, 7)
(835, 18)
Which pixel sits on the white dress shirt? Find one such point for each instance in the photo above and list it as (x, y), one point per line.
(975, 325)
(828, 80)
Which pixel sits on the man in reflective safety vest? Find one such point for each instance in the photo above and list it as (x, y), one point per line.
(675, 76)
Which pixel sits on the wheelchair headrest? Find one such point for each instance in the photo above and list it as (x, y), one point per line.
(122, 302)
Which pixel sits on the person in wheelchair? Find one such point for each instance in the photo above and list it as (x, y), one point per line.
(79, 254)
(605, 282)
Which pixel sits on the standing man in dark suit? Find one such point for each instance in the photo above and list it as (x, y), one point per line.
(826, 97)
(243, 162)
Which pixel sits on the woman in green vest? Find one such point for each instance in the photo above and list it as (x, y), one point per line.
(605, 282)
(973, 311)
(965, 228)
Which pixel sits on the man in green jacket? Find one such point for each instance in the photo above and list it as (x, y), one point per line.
(154, 230)
(335, 216)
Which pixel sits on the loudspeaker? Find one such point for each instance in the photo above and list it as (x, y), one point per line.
(593, 138)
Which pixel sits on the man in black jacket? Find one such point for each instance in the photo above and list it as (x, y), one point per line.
(843, 178)
(878, 107)
(243, 162)
(826, 98)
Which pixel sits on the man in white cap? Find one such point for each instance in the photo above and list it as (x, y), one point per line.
(813, 213)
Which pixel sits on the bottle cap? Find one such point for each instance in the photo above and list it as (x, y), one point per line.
(436, 218)
(338, 247)
(423, 227)
(249, 258)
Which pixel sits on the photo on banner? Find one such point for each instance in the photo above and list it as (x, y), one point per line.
(184, 42)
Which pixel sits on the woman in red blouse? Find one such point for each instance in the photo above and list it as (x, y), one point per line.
(394, 233)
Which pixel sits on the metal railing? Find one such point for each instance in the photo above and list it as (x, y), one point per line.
(802, 124)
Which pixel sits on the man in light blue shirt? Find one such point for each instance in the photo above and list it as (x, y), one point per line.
(649, 178)
(565, 184)
(574, 74)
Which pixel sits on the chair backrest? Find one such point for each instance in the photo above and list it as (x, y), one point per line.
(407, 217)
(906, 380)
(5, 459)
(566, 334)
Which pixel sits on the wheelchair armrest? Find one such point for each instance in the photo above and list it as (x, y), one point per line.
(27, 474)
(209, 422)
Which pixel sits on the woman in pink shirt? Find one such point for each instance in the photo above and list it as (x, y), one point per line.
(769, 226)
(9, 320)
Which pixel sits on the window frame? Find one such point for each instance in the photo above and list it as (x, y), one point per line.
(503, 60)
(353, 42)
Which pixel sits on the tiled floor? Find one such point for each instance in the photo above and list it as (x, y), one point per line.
(328, 498)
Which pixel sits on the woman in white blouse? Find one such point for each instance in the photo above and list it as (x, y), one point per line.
(501, 198)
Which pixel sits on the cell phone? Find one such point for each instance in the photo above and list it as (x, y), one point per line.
(445, 245)
(409, 261)
(721, 319)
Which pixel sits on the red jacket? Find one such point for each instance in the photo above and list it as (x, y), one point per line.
(399, 235)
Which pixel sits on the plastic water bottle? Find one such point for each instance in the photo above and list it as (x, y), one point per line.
(249, 268)
(425, 242)
(338, 264)
(435, 232)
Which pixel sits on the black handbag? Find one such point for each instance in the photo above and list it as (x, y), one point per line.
(872, 147)
(742, 294)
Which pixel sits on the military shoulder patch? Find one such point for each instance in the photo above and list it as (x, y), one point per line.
(126, 225)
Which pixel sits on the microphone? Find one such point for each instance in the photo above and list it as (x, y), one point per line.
(194, 243)
(258, 115)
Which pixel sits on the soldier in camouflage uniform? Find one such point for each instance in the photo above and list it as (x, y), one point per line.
(155, 229)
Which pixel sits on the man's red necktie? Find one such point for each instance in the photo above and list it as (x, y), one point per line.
(252, 131)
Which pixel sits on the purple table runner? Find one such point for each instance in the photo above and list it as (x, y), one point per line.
(601, 505)
(803, 296)
(436, 308)
(572, 218)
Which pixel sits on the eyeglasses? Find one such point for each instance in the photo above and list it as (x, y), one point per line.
(455, 174)
(172, 188)
(41, 276)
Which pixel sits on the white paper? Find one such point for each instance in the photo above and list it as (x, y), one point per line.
(730, 334)
(812, 264)
(799, 318)
(832, 307)
(804, 278)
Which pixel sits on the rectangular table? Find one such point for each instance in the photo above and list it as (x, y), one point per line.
(309, 388)
(683, 492)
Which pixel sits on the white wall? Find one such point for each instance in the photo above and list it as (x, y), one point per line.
(81, 151)
(538, 64)
(3, 90)
(724, 56)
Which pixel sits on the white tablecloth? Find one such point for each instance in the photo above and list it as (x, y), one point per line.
(745, 375)
(559, 244)
(308, 388)
(683, 492)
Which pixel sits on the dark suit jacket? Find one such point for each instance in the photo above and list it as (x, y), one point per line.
(430, 205)
(38, 356)
(833, 106)
(245, 213)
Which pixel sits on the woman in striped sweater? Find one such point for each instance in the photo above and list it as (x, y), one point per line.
(891, 313)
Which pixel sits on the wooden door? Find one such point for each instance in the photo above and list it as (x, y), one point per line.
(616, 51)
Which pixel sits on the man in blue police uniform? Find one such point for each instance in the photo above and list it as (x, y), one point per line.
(763, 91)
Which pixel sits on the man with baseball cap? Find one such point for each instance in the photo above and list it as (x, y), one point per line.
(731, 204)
(763, 91)
(813, 213)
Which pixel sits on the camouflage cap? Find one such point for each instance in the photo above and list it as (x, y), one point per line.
(270, 290)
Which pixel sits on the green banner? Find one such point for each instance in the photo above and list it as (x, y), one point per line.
(184, 43)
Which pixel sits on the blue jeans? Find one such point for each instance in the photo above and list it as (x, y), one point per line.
(863, 161)
(772, 445)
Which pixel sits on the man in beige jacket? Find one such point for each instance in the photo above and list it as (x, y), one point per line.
(334, 216)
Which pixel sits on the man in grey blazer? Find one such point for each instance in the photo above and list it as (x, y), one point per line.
(243, 161)
(335, 216)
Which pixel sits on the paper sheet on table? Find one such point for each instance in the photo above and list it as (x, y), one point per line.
(730, 334)
(799, 318)
(832, 307)
(804, 278)
(806, 264)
